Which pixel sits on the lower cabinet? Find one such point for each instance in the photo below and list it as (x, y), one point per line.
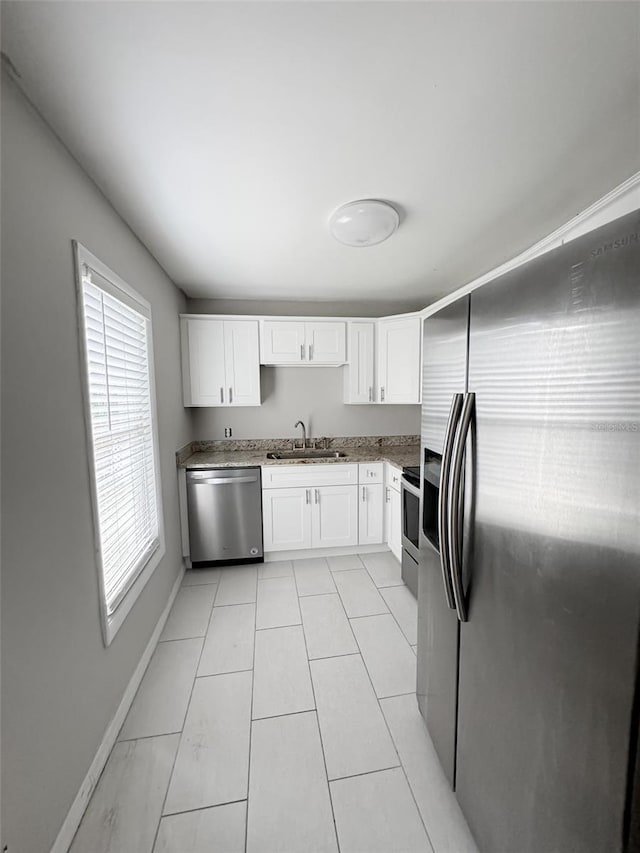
(371, 515)
(393, 510)
(315, 517)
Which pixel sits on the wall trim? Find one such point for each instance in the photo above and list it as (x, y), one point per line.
(80, 803)
(622, 199)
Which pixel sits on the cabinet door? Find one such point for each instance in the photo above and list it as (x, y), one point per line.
(286, 519)
(203, 367)
(371, 515)
(242, 362)
(395, 524)
(359, 375)
(399, 364)
(335, 516)
(283, 342)
(326, 343)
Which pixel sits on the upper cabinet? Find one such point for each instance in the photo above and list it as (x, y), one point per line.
(359, 374)
(220, 362)
(399, 360)
(303, 343)
(386, 370)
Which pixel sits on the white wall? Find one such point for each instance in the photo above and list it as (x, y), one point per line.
(311, 394)
(61, 686)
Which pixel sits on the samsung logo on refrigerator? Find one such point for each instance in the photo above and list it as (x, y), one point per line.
(620, 243)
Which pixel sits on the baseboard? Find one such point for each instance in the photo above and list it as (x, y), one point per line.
(79, 805)
(306, 554)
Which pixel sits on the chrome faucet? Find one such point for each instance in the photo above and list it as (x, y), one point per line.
(304, 433)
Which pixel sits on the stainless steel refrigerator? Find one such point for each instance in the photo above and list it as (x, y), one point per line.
(529, 577)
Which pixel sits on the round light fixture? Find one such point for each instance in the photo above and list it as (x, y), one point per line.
(364, 223)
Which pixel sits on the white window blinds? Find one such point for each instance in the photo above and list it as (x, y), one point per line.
(117, 335)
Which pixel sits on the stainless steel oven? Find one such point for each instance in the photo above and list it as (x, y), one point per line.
(410, 512)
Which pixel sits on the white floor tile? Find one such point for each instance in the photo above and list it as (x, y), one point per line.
(277, 603)
(376, 813)
(326, 627)
(190, 613)
(383, 568)
(125, 808)
(313, 576)
(355, 738)
(279, 569)
(345, 562)
(388, 657)
(193, 577)
(228, 646)
(161, 702)
(404, 607)
(358, 594)
(282, 684)
(438, 806)
(237, 585)
(289, 805)
(213, 758)
(220, 828)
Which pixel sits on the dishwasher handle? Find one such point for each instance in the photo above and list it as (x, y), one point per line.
(218, 481)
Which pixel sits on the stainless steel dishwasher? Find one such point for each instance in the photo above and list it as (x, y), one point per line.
(225, 515)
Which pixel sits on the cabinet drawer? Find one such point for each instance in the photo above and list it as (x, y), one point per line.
(289, 476)
(371, 472)
(394, 475)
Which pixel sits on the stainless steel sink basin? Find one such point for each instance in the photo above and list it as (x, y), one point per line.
(306, 454)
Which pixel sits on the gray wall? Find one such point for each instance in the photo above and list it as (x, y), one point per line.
(60, 685)
(311, 394)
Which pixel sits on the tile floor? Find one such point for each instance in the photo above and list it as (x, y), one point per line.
(278, 714)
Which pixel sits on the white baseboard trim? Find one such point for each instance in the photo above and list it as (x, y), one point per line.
(79, 805)
(308, 553)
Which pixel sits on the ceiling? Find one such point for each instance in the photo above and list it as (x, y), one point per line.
(225, 134)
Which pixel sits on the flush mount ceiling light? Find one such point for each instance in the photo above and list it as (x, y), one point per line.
(364, 223)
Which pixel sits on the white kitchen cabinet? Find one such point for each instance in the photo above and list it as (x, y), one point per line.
(370, 515)
(399, 360)
(334, 519)
(220, 362)
(286, 519)
(303, 343)
(393, 510)
(359, 377)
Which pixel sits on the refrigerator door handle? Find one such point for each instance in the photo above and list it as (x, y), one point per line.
(443, 512)
(455, 556)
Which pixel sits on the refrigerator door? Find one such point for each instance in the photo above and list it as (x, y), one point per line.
(443, 376)
(548, 656)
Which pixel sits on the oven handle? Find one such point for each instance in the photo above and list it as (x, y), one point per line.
(443, 498)
(407, 486)
(455, 550)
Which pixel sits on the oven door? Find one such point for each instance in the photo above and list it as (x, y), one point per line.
(410, 502)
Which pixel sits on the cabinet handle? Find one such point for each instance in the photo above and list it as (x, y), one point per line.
(317, 495)
(382, 393)
(364, 494)
(387, 494)
(370, 394)
(308, 492)
(301, 352)
(310, 352)
(222, 395)
(230, 395)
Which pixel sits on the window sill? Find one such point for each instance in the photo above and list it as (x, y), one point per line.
(111, 624)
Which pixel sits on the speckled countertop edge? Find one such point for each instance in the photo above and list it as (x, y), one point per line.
(400, 451)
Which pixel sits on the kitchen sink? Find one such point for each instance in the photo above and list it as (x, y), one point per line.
(306, 454)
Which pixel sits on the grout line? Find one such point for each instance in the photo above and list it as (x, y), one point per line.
(286, 714)
(184, 719)
(324, 758)
(370, 772)
(147, 737)
(173, 639)
(226, 672)
(204, 808)
(288, 625)
(234, 603)
(253, 677)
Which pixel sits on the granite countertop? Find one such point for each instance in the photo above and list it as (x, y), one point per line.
(377, 449)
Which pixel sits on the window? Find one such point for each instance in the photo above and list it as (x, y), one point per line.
(118, 356)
